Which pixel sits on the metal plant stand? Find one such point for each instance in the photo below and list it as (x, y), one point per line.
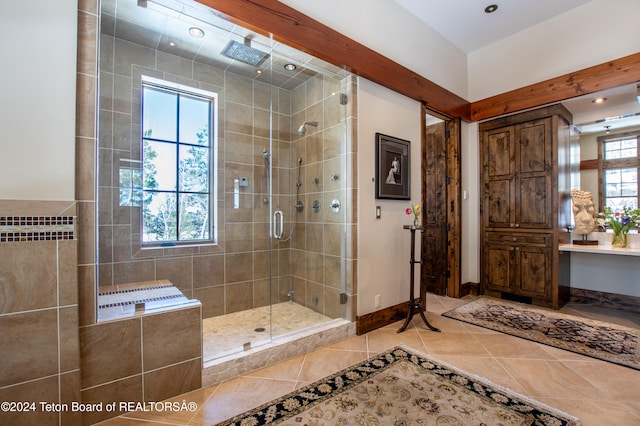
(415, 306)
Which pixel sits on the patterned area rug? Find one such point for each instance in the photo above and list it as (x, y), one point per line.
(400, 387)
(605, 341)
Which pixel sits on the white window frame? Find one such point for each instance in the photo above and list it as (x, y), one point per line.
(612, 164)
(213, 169)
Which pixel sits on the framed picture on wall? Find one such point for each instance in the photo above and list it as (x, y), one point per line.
(392, 168)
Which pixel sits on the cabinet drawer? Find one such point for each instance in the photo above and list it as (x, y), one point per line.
(511, 238)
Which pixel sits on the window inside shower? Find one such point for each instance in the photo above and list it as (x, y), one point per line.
(266, 242)
(177, 152)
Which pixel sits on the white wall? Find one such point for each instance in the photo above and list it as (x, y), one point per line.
(592, 34)
(38, 42)
(383, 246)
(387, 28)
(470, 238)
(608, 273)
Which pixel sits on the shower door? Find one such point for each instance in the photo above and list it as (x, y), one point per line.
(270, 257)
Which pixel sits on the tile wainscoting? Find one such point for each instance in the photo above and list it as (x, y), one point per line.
(48, 357)
(39, 342)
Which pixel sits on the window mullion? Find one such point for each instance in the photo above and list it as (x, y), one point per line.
(178, 167)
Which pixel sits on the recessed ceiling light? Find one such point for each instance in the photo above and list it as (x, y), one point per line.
(491, 8)
(290, 67)
(171, 44)
(599, 100)
(196, 32)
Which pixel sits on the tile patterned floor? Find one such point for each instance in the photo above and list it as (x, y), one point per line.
(598, 392)
(227, 334)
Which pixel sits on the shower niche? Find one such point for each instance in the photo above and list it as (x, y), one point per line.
(280, 119)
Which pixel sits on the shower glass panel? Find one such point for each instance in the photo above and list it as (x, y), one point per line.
(237, 194)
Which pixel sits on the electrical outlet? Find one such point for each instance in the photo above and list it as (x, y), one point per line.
(378, 300)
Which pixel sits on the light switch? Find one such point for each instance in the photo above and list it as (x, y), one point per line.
(378, 212)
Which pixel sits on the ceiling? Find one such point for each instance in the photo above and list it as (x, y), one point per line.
(164, 25)
(465, 23)
(620, 109)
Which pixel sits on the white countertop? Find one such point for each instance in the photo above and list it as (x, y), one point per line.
(604, 245)
(600, 249)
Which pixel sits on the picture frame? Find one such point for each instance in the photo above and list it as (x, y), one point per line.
(392, 168)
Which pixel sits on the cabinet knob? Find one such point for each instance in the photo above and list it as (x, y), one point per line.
(517, 248)
(515, 239)
(517, 225)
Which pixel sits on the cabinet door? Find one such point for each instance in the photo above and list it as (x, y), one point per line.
(533, 271)
(498, 176)
(499, 267)
(534, 169)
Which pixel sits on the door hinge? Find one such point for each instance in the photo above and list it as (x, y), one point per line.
(448, 180)
(448, 227)
(448, 273)
(447, 133)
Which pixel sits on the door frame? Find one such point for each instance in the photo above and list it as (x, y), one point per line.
(453, 207)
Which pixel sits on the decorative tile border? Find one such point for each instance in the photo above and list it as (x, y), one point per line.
(36, 228)
(134, 296)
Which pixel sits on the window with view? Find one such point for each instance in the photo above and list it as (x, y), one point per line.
(619, 165)
(178, 145)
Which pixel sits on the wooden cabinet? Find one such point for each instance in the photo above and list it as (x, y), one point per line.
(525, 203)
(518, 264)
(518, 176)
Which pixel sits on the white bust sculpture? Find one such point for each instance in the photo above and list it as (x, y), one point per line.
(583, 212)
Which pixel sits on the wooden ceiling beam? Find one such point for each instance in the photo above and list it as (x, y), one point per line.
(611, 74)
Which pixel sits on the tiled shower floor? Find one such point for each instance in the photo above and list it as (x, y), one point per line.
(227, 334)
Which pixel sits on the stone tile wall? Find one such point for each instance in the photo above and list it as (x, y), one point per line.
(145, 358)
(39, 345)
(234, 274)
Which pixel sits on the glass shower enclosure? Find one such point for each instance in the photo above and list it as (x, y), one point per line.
(224, 171)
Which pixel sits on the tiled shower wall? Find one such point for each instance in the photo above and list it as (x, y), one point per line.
(141, 358)
(39, 310)
(144, 358)
(233, 275)
(322, 256)
(52, 346)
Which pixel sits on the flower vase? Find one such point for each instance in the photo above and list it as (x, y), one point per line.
(415, 222)
(619, 240)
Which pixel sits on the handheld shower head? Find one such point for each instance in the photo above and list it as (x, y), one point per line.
(302, 129)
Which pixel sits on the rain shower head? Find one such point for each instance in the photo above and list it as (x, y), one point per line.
(302, 129)
(244, 52)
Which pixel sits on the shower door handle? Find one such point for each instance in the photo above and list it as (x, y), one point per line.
(278, 216)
